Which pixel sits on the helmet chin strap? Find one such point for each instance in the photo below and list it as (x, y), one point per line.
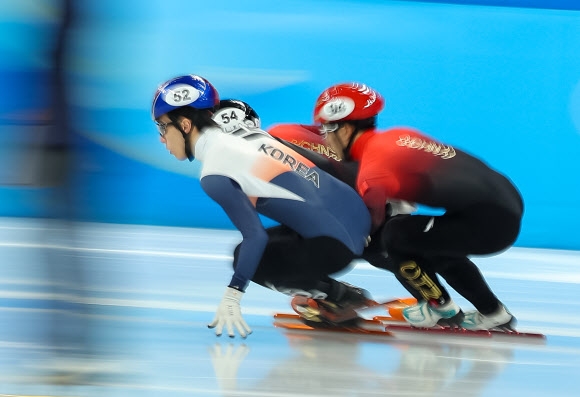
(188, 152)
(186, 140)
(346, 150)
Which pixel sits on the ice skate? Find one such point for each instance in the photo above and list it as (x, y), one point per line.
(328, 311)
(427, 315)
(501, 320)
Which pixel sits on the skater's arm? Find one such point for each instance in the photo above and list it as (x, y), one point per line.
(241, 211)
(228, 194)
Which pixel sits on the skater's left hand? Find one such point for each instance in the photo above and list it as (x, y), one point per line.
(229, 314)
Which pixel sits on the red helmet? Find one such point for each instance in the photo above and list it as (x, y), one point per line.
(348, 101)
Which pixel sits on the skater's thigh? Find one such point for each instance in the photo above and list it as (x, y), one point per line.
(473, 231)
(296, 258)
(423, 235)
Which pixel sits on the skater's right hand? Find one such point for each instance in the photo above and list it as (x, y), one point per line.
(400, 207)
(229, 314)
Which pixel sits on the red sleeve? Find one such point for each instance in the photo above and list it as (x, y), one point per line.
(378, 180)
(375, 200)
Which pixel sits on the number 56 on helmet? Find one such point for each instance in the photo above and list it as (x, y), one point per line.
(347, 101)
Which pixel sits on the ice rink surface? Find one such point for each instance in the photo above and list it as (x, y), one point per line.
(151, 291)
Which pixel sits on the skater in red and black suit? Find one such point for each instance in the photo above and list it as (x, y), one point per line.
(482, 208)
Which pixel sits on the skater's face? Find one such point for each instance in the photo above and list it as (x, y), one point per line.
(338, 139)
(173, 138)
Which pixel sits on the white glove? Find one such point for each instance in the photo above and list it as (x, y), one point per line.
(401, 207)
(229, 314)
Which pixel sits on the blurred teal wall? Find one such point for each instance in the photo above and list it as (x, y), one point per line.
(500, 82)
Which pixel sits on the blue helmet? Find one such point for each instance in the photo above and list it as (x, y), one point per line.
(189, 90)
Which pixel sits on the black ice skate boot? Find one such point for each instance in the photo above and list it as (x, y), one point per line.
(339, 307)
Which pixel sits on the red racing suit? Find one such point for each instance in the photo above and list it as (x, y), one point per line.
(402, 163)
(306, 136)
(483, 212)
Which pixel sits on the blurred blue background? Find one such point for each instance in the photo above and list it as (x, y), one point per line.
(500, 82)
